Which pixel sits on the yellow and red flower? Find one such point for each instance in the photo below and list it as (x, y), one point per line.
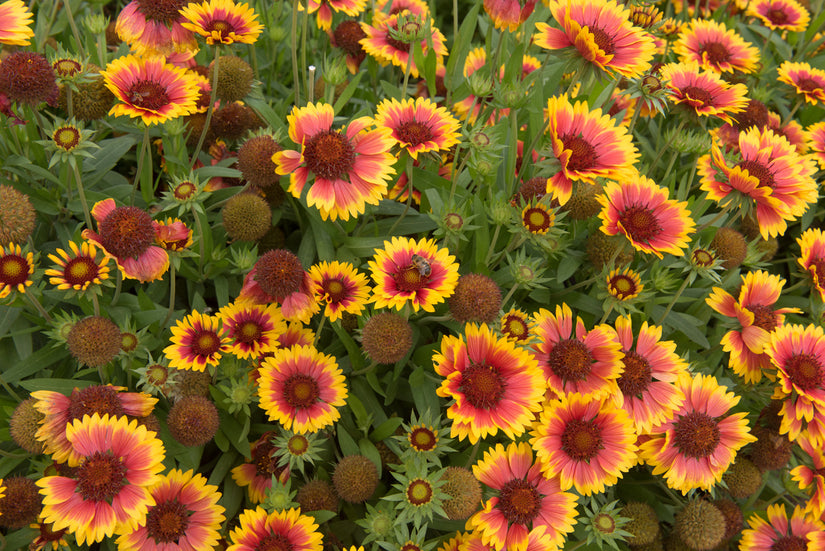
(80, 269)
(812, 258)
(60, 410)
(386, 50)
(716, 48)
(703, 92)
(527, 505)
(812, 479)
(770, 173)
(197, 340)
(517, 326)
(624, 284)
(150, 88)
(647, 384)
(222, 21)
(323, 13)
(696, 447)
(508, 15)
(757, 318)
(496, 385)
(809, 82)
(350, 167)
(602, 33)
(173, 234)
(278, 276)
(15, 19)
(416, 272)
(254, 329)
(537, 219)
(108, 493)
(256, 473)
(815, 140)
(783, 15)
(341, 287)
(301, 388)
(587, 362)
(641, 211)
(588, 144)
(185, 516)
(418, 125)
(287, 529)
(802, 529)
(586, 443)
(154, 28)
(16, 269)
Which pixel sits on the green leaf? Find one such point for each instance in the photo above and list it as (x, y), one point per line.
(362, 418)
(386, 429)
(39, 360)
(568, 266)
(347, 442)
(63, 386)
(348, 92)
(423, 391)
(111, 151)
(226, 461)
(369, 451)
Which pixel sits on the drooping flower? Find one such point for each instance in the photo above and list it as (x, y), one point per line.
(809, 82)
(287, 529)
(324, 8)
(783, 15)
(586, 443)
(812, 479)
(416, 272)
(703, 92)
(127, 234)
(588, 144)
(527, 504)
(350, 166)
(253, 328)
(172, 234)
(150, 88)
(80, 269)
(386, 50)
(15, 269)
(341, 287)
(812, 258)
(647, 385)
(185, 516)
(222, 21)
(496, 385)
(278, 276)
(257, 472)
(641, 211)
(716, 48)
(815, 139)
(771, 176)
(508, 15)
(418, 125)
(587, 362)
(60, 410)
(197, 340)
(800, 531)
(602, 33)
(696, 447)
(154, 28)
(108, 493)
(15, 21)
(301, 388)
(757, 318)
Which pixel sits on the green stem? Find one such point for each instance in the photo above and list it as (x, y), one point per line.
(39, 307)
(171, 308)
(144, 147)
(81, 192)
(672, 302)
(365, 370)
(320, 329)
(296, 77)
(212, 96)
(454, 173)
(607, 313)
(666, 146)
(69, 102)
(492, 245)
(509, 294)
(68, 5)
(511, 178)
(409, 194)
(95, 304)
(407, 71)
(101, 50)
(473, 454)
(716, 218)
(254, 57)
(304, 33)
(200, 240)
(632, 126)
(9, 389)
(118, 285)
(793, 111)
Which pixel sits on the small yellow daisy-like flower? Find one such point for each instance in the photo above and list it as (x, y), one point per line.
(624, 284)
(15, 269)
(253, 328)
(341, 287)
(537, 219)
(197, 341)
(222, 21)
(516, 325)
(15, 21)
(78, 270)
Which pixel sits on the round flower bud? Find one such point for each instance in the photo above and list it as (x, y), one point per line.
(464, 493)
(24, 423)
(94, 341)
(234, 78)
(387, 337)
(743, 478)
(193, 420)
(601, 248)
(477, 298)
(92, 100)
(355, 478)
(644, 524)
(731, 246)
(189, 382)
(771, 451)
(734, 519)
(255, 161)
(583, 204)
(534, 188)
(700, 525)
(21, 503)
(233, 120)
(28, 77)
(246, 217)
(17, 217)
(317, 495)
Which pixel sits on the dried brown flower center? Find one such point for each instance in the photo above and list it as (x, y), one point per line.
(149, 95)
(165, 11)
(482, 386)
(716, 52)
(301, 391)
(570, 360)
(167, 521)
(519, 501)
(583, 155)
(581, 440)
(98, 399)
(348, 37)
(100, 477)
(329, 155)
(804, 371)
(758, 171)
(640, 223)
(279, 273)
(127, 232)
(265, 464)
(696, 434)
(636, 376)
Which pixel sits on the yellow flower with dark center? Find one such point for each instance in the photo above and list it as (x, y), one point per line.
(341, 287)
(197, 340)
(624, 284)
(783, 15)
(78, 270)
(15, 269)
(222, 21)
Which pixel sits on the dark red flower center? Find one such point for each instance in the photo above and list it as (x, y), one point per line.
(640, 223)
(66, 67)
(101, 399)
(635, 378)
(419, 492)
(482, 386)
(265, 464)
(329, 155)
(205, 342)
(14, 270)
(581, 440)
(818, 264)
(789, 543)
(603, 40)
(165, 11)
(220, 26)
(696, 434)
(515, 327)
(423, 439)
(348, 37)
(128, 341)
(777, 16)
(604, 523)
(622, 286)
(804, 371)
(570, 360)
(80, 271)
(537, 220)
(758, 171)
(410, 546)
(702, 258)
(716, 52)
(298, 445)
(184, 190)
(274, 542)
(414, 133)
(301, 391)
(127, 232)
(698, 97)
(167, 521)
(583, 155)
(763, 316)
(410, 279)
(335, 290)
(248, 332)
(66, 137)
(147, 94)
(157, 374)
(807, 84)
(519, 501)
(100, 477)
